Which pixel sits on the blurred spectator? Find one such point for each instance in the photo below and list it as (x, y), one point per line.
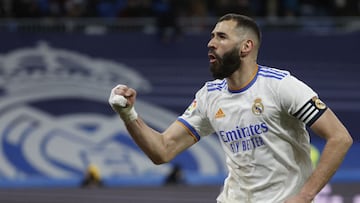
(26, 8)
(198, 8)
(54, 8)
(108, 8)
(92, 177)
(136, 8)
(166, 19)
(75, 8)
(175, 177)
(290, 8)
(230, 6)
(189, 8)
(198, 11)
(346, 7)
(2, 11)
(273, 8)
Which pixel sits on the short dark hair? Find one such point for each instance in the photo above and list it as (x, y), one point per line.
(243, 21)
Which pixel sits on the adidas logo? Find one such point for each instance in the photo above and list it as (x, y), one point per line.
(219, 113)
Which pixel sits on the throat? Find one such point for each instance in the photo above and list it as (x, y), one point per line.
(241, 79)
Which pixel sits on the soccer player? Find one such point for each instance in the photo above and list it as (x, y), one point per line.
(260, 115)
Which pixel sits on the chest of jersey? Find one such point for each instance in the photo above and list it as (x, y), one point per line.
(242, 120)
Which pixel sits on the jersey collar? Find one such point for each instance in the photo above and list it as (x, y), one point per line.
(248, 84)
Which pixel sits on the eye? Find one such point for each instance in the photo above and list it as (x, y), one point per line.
(218, 36)
(222, 36)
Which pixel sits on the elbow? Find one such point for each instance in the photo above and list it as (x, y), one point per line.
(160, 159)
(158, 162)
(163, 154)
(348, 141)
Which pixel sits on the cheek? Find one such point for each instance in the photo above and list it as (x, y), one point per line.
(220, 52)
(226, 46)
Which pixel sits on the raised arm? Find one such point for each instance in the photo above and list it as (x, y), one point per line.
(159, 147)
(338, 142)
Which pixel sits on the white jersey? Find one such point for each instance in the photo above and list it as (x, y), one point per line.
(262, 129)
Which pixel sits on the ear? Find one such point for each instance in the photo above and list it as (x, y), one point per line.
(246, 47)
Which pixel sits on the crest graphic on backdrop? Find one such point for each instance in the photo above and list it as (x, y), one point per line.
(55, 119)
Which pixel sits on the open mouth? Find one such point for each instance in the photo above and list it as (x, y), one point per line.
(212, 58)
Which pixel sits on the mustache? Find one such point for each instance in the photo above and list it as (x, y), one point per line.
(217, 56)
(212, 51)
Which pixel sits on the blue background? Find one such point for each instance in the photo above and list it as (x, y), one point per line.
(329, 63)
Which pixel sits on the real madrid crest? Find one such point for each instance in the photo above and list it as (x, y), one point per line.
(257, 107)
(318, 103)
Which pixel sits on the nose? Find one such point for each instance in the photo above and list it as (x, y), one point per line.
(211, 44)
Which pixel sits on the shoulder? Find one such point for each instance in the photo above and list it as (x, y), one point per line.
(272, 73)
(279, 82)
(276, 78)
(214, 86)
(210, 89)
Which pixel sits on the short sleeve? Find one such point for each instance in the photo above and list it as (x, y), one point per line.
(299, 100)
(194, 118)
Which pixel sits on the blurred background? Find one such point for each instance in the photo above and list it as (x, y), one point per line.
(59, 60)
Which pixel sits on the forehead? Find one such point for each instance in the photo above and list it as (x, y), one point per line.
(227, 27)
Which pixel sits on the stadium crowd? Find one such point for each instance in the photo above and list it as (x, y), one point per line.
(180, 8)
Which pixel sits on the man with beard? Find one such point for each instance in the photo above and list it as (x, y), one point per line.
(260, 115)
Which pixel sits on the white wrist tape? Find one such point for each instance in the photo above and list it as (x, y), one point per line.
(118, 100)
(118, 103)
(128, 114)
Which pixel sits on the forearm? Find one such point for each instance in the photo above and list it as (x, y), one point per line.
(330, 160)
(159, 147)
(122, 100)
(150, 141)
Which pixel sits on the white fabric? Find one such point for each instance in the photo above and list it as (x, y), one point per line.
(267, 148)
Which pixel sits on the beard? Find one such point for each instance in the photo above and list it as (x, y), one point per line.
(225, 66)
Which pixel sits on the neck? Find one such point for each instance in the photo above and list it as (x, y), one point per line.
(241, 77)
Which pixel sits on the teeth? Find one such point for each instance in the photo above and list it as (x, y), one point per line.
(212, 60)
